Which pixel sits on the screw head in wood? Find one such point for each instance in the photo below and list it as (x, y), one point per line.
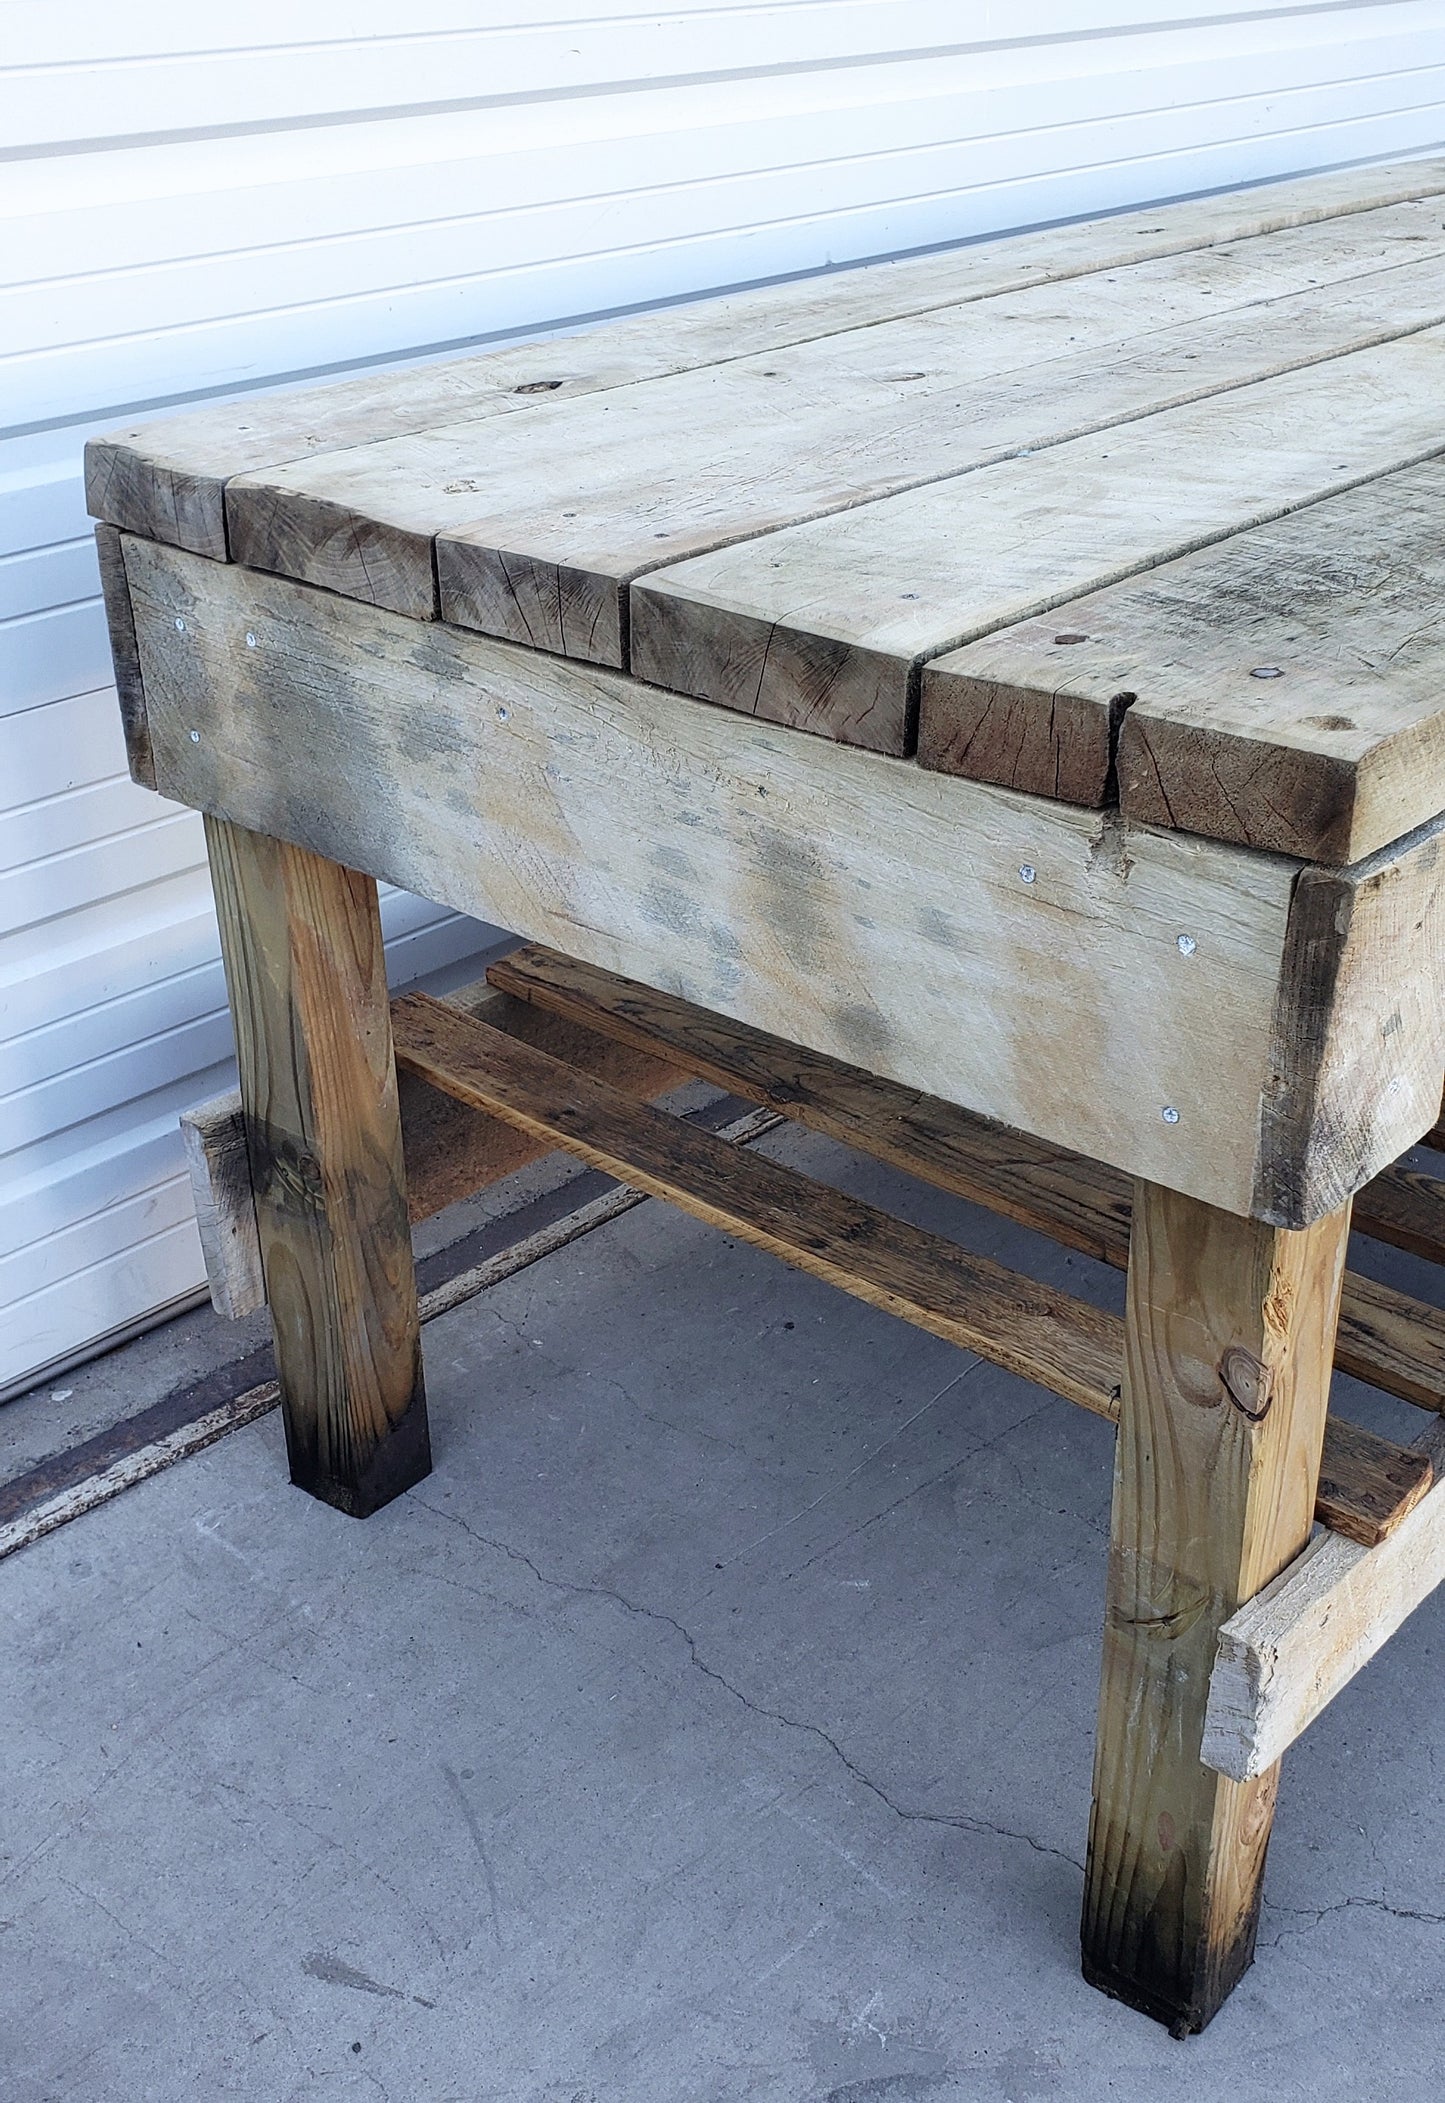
(1028, 872)
(250, 640)
(195, 737)
(1266, 671)
(1169, 1114)
(180, 625)
(503, 713)
(1187, 945)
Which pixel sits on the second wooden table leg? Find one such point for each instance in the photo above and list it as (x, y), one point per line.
(1230, 1335)
(307, 981)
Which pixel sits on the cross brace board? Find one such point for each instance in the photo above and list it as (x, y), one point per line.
(1075, 1349)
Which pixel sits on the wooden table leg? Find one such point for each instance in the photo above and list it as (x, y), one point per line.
(1229, 1339)
(301, 939)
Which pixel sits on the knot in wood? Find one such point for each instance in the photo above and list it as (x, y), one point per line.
(1248, 1382)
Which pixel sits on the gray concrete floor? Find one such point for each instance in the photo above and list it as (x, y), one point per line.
(713, 1726)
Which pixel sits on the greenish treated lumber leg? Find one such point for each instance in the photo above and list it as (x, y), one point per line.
(307, 981)
(1229, 1341)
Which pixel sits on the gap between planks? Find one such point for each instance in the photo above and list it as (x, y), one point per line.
(1385, 1338)
(1067, 1345)
(647, 1041)
(166, 479)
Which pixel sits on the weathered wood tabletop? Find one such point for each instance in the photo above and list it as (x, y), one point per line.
(1018, 672)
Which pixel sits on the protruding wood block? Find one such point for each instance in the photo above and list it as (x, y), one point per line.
(307, 980)
(1229, 1334)
(1297, 1644)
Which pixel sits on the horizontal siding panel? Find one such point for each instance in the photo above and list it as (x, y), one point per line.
(634, 247)
(110, 1160)
(123, 1051)
(117, 1050)
(39, 578)
(341, 221)
(62, 1100)
(375, 174)
(39, 892)
(74, 1054)
(332, 50)
(73, 1249)
(96, 953)
(169, 210)
(41, 502)
(75, 818)
(48, 656)
(56, 1324)
(54, 104)
(63, 745)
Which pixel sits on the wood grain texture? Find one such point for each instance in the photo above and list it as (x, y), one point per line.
(1392, 1341)
(826, 625)
(1291, 1649)
(218, 1166)
(129, 686)
(1078, 1202)
(541, 521)
(1066, 1345)
(306, 975)
(970, 1301)
(643, 1041)
(1366, 1491)
(1384, 1337)
(165, 480)
(602, 816)
(1230, 1328)
(1359, 1030)
(849, 901)
(451, 1152)
(1406, 1208)
(1340, 753)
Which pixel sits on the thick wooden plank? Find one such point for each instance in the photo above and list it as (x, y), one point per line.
(1230, 1328)
(642, 1041)
(1042, 1335)
(451, 1152)
(541, 521)
(1360, 1026)
(1384, 1338)
(218, 1164)
(1291, 1649)
(1405, 1208)
(1080, 1203)
(600, 815)
(1064, 1344)
(825, 625)
(165, 480)
(1392, 1342)
(129, 687)
(1282, 688)
(306, 975)
(1367, 1485)
(880, 903)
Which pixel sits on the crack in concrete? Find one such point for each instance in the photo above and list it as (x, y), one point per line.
(959, 1821)
(1313, 1915)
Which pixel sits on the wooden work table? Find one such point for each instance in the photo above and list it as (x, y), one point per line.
(990, 707)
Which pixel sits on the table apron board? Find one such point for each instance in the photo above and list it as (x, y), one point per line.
(1254, 1033)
